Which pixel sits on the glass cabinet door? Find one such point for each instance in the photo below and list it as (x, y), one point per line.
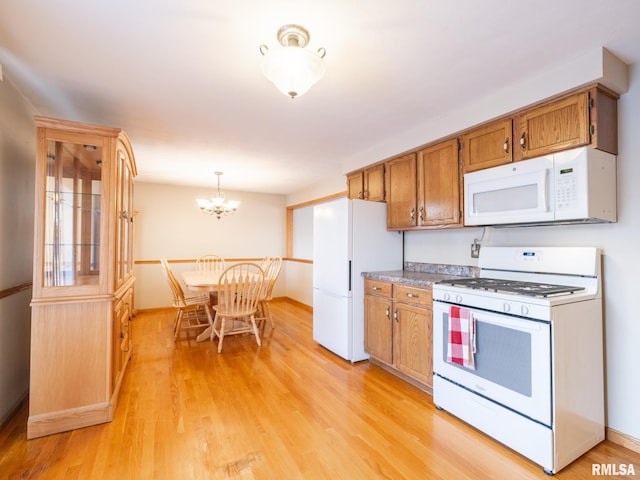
(125, 218)
(72, 214)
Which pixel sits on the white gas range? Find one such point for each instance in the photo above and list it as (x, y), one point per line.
(535, 381)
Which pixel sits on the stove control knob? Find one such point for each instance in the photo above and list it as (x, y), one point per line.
(447, 297)
(524, 310)
(458, 298)
(506, 307)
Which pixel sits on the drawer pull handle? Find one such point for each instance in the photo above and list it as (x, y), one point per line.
(376, 288)
(412, 295)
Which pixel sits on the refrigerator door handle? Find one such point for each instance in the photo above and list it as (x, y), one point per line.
(349, 275)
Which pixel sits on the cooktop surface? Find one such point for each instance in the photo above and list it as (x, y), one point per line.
(532, 289)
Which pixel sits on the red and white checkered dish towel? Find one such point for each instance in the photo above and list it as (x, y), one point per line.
(461, 346)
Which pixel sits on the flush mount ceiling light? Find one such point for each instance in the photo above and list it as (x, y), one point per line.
(292, 69)
(217, 205)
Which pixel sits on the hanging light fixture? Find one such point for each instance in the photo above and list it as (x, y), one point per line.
(217, 205)
(292, 69)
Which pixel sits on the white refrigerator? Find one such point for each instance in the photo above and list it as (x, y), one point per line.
(349, 237)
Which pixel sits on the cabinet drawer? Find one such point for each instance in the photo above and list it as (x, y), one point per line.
(414, 295)
(377, 287)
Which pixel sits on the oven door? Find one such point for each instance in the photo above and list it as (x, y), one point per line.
(512, 360)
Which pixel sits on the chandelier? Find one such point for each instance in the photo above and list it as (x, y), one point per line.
(292, 69)
(217, 205)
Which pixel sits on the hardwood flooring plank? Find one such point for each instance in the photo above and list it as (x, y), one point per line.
(288, 410)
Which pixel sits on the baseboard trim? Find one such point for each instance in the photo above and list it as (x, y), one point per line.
(155, 310)
(622, 439)
(70, 419)
(304, 306)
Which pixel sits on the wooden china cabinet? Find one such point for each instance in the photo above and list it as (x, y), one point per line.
(82, 276)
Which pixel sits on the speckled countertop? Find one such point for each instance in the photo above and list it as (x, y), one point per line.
(423, 274)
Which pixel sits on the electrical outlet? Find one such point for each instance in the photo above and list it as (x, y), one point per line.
(475, 249)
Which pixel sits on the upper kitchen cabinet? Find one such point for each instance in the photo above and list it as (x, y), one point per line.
(82, 275)
(439, 185)
(487, 146)
(402, 184)
(367, 184)
(587, 117)
(423, 188)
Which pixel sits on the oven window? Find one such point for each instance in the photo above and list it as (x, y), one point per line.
(503, 355)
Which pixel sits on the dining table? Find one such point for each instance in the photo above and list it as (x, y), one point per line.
(202, 282)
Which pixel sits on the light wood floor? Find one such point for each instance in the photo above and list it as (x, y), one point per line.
(287, 410)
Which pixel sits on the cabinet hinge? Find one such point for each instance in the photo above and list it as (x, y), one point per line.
(591, 103)
(592, 129)
(459, 145)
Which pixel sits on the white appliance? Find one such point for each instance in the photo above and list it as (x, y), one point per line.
(538, 383)
(574, 186)
(349, 237)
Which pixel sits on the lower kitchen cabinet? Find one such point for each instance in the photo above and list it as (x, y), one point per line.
(398, 323)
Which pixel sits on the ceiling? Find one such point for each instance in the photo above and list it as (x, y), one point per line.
(183, 79)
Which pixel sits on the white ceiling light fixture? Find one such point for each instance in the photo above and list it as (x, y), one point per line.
(217, 205)
(292, 69)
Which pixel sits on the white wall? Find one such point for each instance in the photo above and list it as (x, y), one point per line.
(303, 232)
(170, 224)
(17, 180)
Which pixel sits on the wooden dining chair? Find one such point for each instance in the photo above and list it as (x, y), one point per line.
(271, 272)
(210, 263)
(192, 312)
(264, 264)
(238, 294)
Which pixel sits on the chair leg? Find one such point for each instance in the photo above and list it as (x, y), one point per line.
(178, 322)
(221, 334)
(255, 329)
(268, 313)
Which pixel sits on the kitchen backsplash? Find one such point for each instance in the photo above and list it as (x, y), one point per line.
(459, 270)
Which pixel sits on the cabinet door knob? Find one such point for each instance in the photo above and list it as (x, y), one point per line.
(523, 141)
(421, 216)
(412, 214)
(387, 312)
(506, 145)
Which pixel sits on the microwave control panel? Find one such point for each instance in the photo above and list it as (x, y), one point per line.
(566, 188)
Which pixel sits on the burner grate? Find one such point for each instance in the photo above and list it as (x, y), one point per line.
(531, 289)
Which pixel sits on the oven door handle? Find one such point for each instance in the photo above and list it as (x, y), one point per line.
(497, 318)
(522, 324)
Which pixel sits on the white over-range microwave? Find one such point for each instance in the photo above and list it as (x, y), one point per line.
(574, 186)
